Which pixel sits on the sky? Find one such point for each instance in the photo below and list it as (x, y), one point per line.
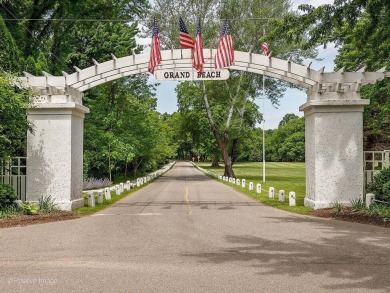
(293, 98)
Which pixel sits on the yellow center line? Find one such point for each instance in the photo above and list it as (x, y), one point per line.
(188, 202)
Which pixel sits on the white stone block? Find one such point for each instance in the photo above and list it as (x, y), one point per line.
(230, 179)
(370, 198)
(122, 187)
(220, 177)
(234, 180)
(107, 193)
(250, 185)
(138, 182)
(271, 192)
(144, 180)
(117, 190)
(281, 195)
(258, 188)
(238, 182)
(292, 199)
(100, 196)
(128, 185)
(91, 199)
(243, 183)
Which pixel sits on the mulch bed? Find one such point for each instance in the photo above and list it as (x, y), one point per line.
(24, 220)
(347, 215)
(351, 216)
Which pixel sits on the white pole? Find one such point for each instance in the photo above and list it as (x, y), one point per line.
(263, 128)
(263, 120)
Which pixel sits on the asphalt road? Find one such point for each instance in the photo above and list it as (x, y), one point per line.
(188, 233)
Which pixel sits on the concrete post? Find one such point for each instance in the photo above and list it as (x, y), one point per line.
(258, 188)
(281, 195)
(334, 149)
(370, 199)
(91, 199)
(250, 185)
(271, 192)
(292, 199)
(55, 152)
(107, 193)
(100, 196)
(243, 183)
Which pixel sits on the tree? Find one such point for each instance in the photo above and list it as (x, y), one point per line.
(287, 143)
(227, 103)
(360, 29)
(13, 118)
(286, 118)
(9, 52)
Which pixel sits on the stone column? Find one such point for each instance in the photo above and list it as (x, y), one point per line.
(334, 149)
(55, 152)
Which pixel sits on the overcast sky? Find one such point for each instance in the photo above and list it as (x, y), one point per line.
(289, 103)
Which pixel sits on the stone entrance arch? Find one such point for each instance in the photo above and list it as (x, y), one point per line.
(333, 118)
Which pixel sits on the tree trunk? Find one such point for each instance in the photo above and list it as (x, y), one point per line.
(215, 162)
(227, 161)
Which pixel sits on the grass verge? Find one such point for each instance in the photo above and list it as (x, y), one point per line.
(280, 175)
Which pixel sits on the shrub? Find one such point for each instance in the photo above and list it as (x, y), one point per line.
(46, 204)
(94, 183)
(7, 196)
(29, 208)
(338, 207)
(357, 204)
(381, 185)
(10, 212)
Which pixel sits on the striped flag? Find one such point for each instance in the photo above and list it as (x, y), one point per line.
(186, 41)
(155, 53)
(264, 49)
(198, 59)
(225, 50)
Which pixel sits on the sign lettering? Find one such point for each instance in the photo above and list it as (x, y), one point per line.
(220, 74)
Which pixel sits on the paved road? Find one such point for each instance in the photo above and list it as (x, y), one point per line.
(188, 233)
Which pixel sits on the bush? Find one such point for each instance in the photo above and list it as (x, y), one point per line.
(381, 185)
(7, 196)
(47, 205)
(95, 183)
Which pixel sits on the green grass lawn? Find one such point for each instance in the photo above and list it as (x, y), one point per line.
(286, 176)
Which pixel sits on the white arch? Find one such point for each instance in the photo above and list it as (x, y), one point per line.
(180, 59)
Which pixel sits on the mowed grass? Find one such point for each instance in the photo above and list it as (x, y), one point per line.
(280, 175)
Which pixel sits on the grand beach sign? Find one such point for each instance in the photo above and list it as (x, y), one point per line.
(218, 74)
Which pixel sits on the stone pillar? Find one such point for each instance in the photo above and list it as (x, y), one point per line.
(334, 149)
(55, 152)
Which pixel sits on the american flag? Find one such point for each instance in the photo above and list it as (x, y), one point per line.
(225, 51)
(155, 53)
(198, 59)
(264, 49)
(186, 41)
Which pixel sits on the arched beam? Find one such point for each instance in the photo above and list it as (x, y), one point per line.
(181, 60)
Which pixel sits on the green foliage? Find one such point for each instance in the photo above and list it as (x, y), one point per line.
(357, 204)
(29, 208)
(7, 196)
(287, 143)
(286, 176)
(46, 205)
(381, 185)
(338, 207)
(362, 28)
(13, 118)
(9, 52)
(9, 212)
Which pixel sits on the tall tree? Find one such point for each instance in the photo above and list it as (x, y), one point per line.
(226, 104)
(360, 28)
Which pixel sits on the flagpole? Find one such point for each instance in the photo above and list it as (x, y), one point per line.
(263, 119)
